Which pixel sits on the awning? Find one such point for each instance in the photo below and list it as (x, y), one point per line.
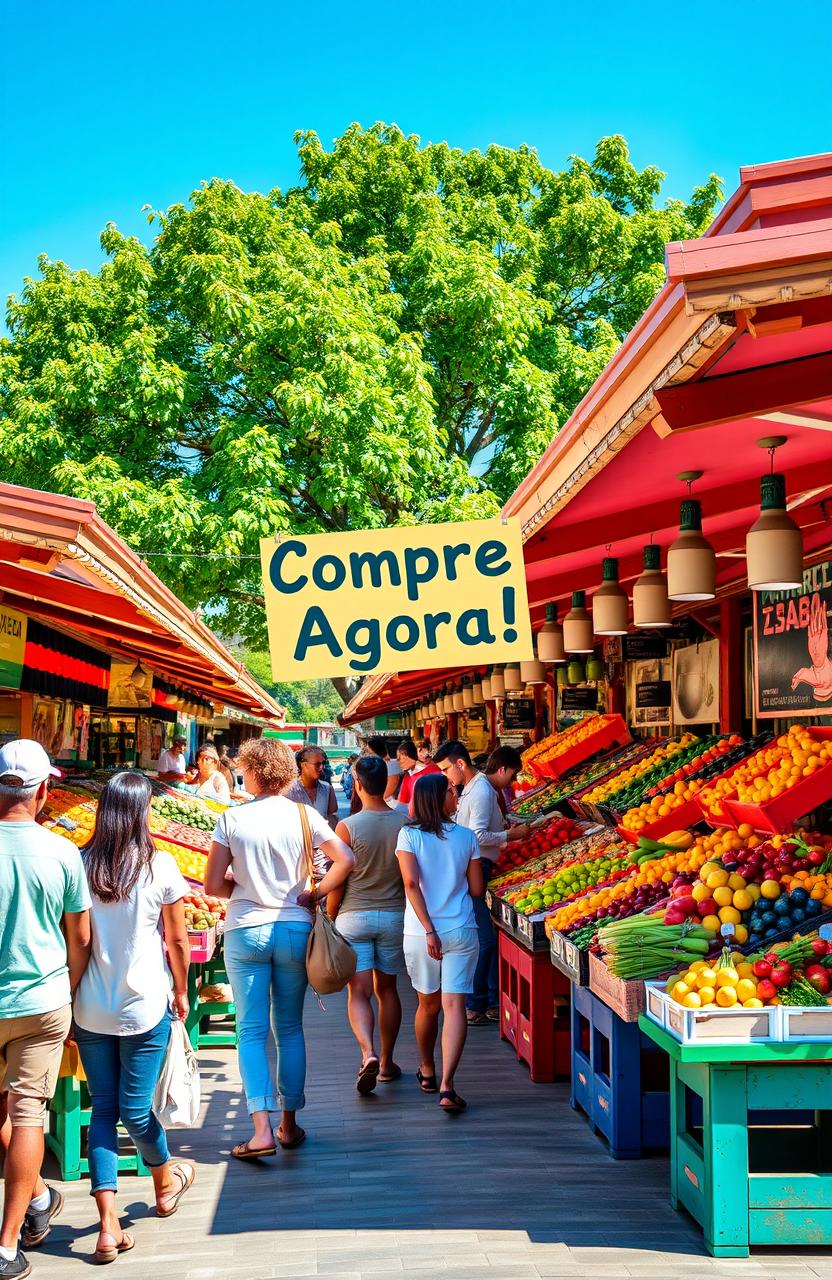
(61, 563)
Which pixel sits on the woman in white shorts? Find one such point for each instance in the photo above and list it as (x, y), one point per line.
(440, 865)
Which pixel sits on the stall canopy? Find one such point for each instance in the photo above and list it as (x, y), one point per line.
(736, 347)
(60, 563)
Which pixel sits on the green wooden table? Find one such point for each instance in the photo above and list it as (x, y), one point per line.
(747, 1177)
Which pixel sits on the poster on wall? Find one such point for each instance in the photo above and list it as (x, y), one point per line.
(696, 683)
(651, 694)
(130, 685)
(792, 663)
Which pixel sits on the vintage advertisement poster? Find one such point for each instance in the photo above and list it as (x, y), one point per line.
(696, 683)
(792, 665)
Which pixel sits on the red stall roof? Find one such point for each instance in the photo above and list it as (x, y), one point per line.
(61, 563)
(737, 346)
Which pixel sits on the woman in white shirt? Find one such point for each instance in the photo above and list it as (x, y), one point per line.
(122, 1004)
(267, 927)
(211, 783)
(440, 865)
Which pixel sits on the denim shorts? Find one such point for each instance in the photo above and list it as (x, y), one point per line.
(376, 938)
(454, 973)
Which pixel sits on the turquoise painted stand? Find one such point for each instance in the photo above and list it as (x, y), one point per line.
(69, 1118)
(223, 1036)
(751, 1183)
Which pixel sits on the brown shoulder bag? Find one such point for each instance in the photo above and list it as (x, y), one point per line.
(330, 960)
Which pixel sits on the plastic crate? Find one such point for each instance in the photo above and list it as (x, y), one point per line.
(534, 1011)
(613, 731)
(710, 1026)
(687, 815)
(569, 959)
(781, 813)
(798, 1024)
(203, 944)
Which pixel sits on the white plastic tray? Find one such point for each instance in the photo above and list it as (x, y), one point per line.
(709, 1026)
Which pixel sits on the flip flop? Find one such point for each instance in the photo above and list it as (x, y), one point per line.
(456, 1104)
(395, 1073)
(245, 1151)
(367, 1077)
(295, 1142)
(426, 1083)
(187, 1183)
(111, 1252)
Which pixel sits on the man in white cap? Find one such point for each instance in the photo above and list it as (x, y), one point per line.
(44, 949)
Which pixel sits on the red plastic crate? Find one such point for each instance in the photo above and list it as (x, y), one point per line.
(687, 815)
(530, 1019)
(781, 813)
(613, 732)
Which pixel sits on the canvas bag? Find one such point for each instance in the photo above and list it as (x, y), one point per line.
(177, 1096)
(330, 960)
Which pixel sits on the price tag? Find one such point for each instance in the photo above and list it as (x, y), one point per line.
(506, 913)
(489, 900)
(825, 932)
(525, 927)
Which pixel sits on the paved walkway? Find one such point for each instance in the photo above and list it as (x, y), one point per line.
(385, 1186)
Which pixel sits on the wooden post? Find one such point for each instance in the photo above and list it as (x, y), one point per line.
(731, 673)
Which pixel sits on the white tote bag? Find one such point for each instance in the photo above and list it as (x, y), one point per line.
(176, 1101)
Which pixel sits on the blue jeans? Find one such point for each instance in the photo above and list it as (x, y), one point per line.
(486, 994)
(122, 1072)
(266, 966)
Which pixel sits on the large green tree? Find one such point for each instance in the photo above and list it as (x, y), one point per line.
(396, 339)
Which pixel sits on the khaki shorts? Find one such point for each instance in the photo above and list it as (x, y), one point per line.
(31, 1049)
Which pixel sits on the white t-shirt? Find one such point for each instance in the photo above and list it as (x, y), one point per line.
(268, 861)
(443, 866)
(126, 986)
(171, 763)
(215, 788)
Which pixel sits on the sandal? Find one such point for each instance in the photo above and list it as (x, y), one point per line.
(426, 1083)
(181, 1171)
(299, 1137)
(367, 1077)
(455, 1103)
(110, 1252)
(245, 1151)
(395, 1073)
(475, 1019)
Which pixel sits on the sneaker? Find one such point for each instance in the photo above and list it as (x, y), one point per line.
(38, 1222)
(16, 1269)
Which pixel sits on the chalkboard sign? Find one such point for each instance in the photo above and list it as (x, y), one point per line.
(518, 713)
(579, 699)
(792, 658)
(645, 647)
(653, 693)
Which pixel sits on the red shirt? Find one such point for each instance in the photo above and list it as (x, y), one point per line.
(410, 779)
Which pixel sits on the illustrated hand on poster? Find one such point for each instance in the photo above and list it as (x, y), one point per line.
(819, 675)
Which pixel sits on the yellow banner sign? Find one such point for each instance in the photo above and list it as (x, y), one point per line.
(396, 599)
(12, 647)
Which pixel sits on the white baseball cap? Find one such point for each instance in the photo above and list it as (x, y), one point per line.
(25, 764)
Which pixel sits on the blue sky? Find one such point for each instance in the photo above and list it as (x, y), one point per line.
(110, 106)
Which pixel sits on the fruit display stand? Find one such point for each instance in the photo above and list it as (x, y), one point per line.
(577, 745)
(68, 1121)
(745, 1176)
(806, 756)
(572, 962)
(534, 1010)
(217, 1017)
(619, 1079)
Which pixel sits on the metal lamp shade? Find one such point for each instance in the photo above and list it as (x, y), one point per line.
(487, 695)
(532, 672)
(514, 682)
(609, 604)
(550, 647)
(477, 694)
(459, 701)
(467, 697)
(498, 684)
(651, 607)
(577, 626)
(432, 712)
(774, 543)
(691, 563)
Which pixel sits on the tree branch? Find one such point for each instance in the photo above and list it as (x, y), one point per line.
(476, 441)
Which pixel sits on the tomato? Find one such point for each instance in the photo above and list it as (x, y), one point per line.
(781, 975)
(762, 969)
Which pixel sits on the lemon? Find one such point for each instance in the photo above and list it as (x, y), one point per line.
(746, 990)
(727, 977)
(700, 892)
(753, 891)
(705, 978)
(707, 995)
(753, 1002)
(742, 900)
(692, 1000)
(729, 915)
(741, 933)
(745, 969)
(679, 991)
(697, 966)
(712, 922)
(736, 881)
(723, 896)
(726, 997)
(770, 889)
(717, 878)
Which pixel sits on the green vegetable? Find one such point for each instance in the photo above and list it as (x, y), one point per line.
(800, 992)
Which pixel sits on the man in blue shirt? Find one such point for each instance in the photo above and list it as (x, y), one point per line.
(44, 950)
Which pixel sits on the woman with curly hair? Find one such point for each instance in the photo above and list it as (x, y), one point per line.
(266, 931)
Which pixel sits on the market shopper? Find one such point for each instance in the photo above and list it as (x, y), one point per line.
(44, 950)
(125, 1000)
(370, 912)
(440, 865)
(479, 810)
(266, 931)
(412, 767)
(309, 786)
(211, 782)
(501, 769)
(378, 746)
(172, 767)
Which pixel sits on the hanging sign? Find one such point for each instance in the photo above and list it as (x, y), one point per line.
(396, 599)
(644, 647)
(579, 698)
(653, 693)
(792, 663)
(518, 713)
(12, 647)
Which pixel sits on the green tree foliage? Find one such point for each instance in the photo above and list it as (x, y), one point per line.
(306, 701)
(394, 340)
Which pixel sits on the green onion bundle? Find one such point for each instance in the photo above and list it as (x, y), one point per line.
(642, 947)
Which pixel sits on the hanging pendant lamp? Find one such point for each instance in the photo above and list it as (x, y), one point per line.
(432, 713)
(550, 638)
(477, 693)
(533, 671)
(774, 543)
(651, 607)
(498, 683)
(459, 701)
(513, 680)
(577, 626)
(467, 695)
(691, 563)
(487, 695)
(609, 603)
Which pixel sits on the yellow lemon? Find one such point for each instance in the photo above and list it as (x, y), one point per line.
(746, 989)
(753, 1002)
(723, 896)
(705, 978)
(692, 1000)
(741, 933)
(711, 1005)
(700, 892)
(707, 995)
(712, 922)
(745, 969)
(729, 915)
(697, 966)
(753, 891)
(727, 977)
(743, 900)
(726, 997)
(736, 881)
(679, 991)
(708, 868)
(717, 878)
(770, 889)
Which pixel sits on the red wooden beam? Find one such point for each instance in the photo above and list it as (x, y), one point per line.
(743, 251)
(743, 395)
